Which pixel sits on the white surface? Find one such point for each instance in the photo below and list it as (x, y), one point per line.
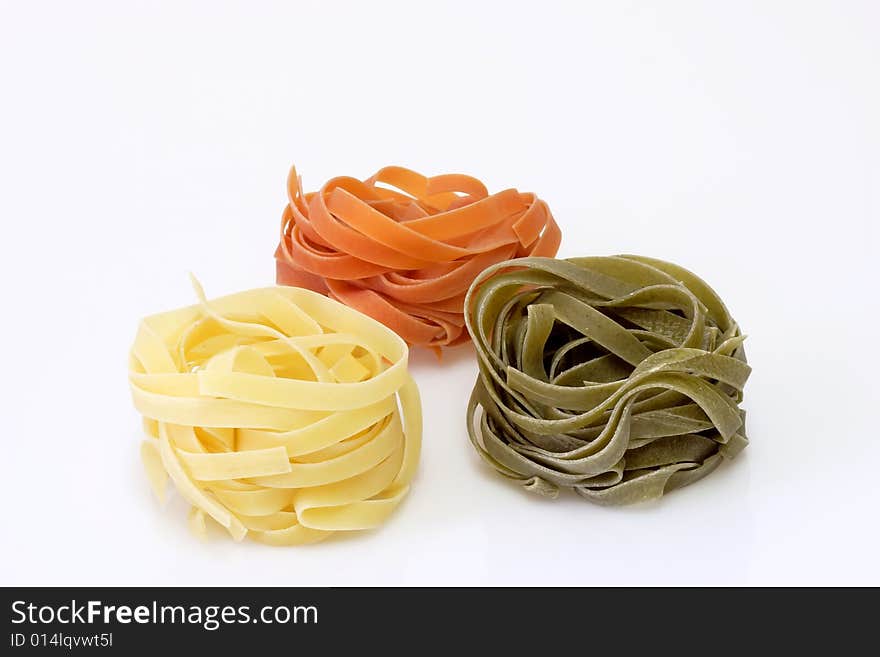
(142, 140)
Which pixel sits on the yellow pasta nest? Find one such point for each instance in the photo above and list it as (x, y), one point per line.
(279, 413)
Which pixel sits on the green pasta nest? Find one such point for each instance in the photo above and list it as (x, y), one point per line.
(619, 377)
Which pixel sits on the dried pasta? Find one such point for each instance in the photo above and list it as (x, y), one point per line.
(278, 413)
(403, 248)
(617, 377)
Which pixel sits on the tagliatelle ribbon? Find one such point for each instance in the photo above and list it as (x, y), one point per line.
(279, 413)
(618, 377)
(404, 248)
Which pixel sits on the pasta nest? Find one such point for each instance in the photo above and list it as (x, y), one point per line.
(619, 377)
(404, 248)
(277, 412)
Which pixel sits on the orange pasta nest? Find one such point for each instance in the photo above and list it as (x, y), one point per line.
(404, 248)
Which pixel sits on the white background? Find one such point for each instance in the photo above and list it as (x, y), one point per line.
(141, 140)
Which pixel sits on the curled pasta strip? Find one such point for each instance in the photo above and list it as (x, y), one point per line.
(277, 412)
(619, 377)
(403, 248)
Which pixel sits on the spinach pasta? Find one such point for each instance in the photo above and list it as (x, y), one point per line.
(618, 377)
